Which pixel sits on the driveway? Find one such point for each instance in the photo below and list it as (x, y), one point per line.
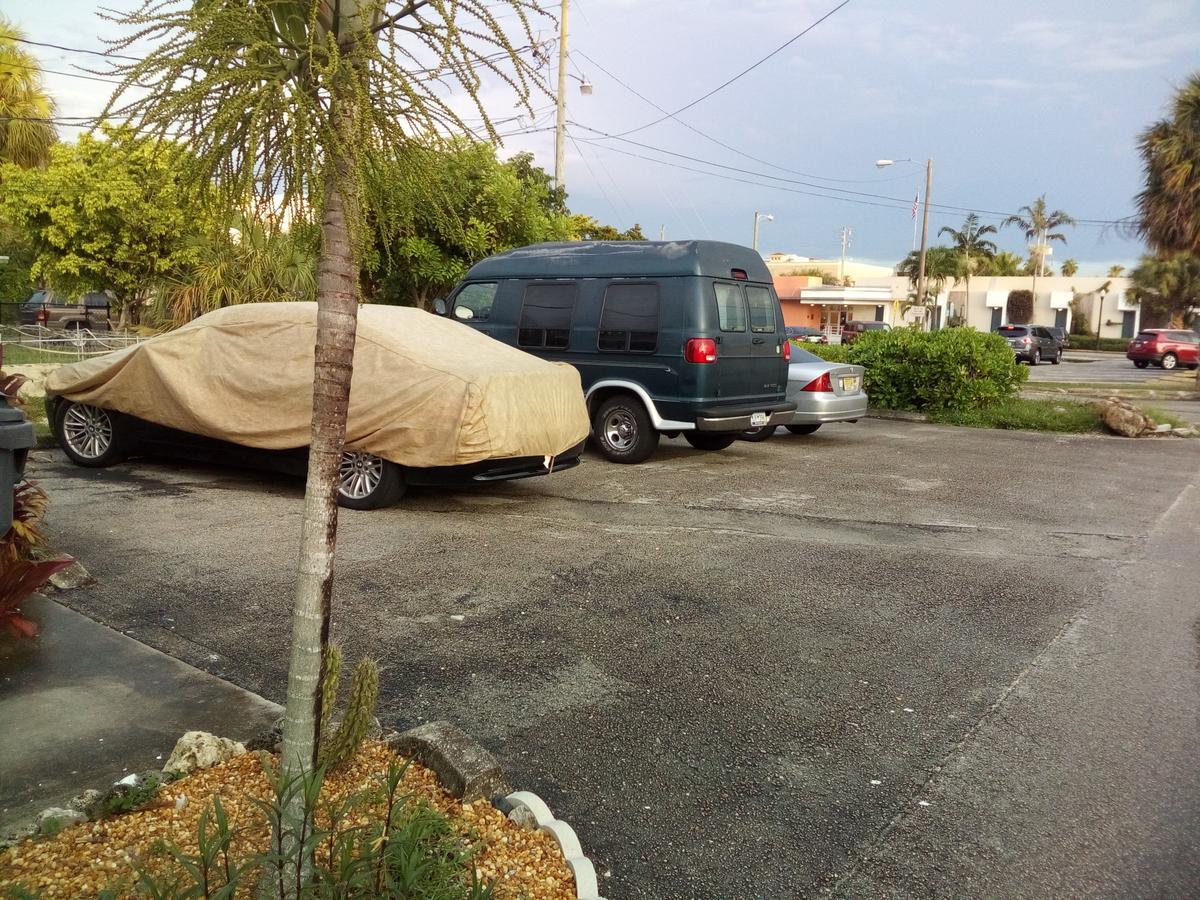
(886, 659)
(1090, 367)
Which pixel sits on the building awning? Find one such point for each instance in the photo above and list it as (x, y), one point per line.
(1061, 299)
(832, 294)
(996, 299)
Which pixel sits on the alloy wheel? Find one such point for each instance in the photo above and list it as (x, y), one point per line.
(88, 430)
(359, 474)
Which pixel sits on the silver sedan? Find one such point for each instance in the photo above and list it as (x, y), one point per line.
(822, 391)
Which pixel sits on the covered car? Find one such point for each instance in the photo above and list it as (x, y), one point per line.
(430, 401)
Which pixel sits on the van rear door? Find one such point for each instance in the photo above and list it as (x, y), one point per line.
(766, 338)
(735, 354)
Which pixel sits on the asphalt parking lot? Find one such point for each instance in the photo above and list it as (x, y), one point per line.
(1089, 367)
(889, 659)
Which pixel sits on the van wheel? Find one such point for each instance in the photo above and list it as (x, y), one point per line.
(623, 431)
(756, 435)
(710, 440)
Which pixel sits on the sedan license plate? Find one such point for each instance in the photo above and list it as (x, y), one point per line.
(758, 420)
(849, 384)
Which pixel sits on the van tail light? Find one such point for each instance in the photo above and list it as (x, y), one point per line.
(787, 351)
(820, 385)
(700, 350)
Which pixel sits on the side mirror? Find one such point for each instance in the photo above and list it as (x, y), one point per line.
(461, 312)
(439, 306)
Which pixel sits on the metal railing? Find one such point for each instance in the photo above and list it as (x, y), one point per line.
(35, 344)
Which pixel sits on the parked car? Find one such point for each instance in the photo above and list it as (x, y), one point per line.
(1032, 343)
(822, 391)
(851, 331)
(432, 403)
(1061, 335)
(670, 337)
(806, 334)
(51, 310)
(1166, 347)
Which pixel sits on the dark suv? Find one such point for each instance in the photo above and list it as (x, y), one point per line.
(1032, 343)
(50, 310)
(851, 331)
(1165, 347)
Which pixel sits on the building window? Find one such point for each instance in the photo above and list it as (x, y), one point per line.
(546, 315)
(629, 319)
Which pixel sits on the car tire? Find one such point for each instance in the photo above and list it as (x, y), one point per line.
(90, 436)
(1141, 363)
(366, 481)
(1169, 361)
(1036, 358)
(710, 440)
(757, 435)
(622, 430)
(804, 428)
(1057, 359)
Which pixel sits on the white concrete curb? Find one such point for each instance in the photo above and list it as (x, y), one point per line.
(530, 811)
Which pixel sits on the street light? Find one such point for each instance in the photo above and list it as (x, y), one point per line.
(883, 164)
(757, 216)
(560, 122)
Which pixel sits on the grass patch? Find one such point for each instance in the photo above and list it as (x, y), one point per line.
(1022, 414)
(1161, 416)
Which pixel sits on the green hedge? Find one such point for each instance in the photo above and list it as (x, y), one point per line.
(951, 369)
(1088, 342)
(838, 353)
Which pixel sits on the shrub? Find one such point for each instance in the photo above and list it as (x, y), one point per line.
(1020, 307)
(951, 369)
(838, 353)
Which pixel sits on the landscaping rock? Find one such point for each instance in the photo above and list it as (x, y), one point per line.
(201, 750)
(73, 576)
(270, 740)
(15, 837)
(1124, 419)
(1184, 432)
(54, 819)
(463, 767)
(87, 803)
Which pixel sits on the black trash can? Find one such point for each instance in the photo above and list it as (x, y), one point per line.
(16, 437)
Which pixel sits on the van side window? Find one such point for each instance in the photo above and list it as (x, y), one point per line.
(546, 315)
(474, 302)
(629, 318)
(731, 309)
(762, 309)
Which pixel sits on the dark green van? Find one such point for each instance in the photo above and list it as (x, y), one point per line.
(670, 337)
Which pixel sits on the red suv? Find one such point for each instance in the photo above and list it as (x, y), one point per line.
(1165, 347)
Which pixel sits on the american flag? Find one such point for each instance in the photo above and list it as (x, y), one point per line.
(915, 196)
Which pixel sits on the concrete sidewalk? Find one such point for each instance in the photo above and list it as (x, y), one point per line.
(82, 705)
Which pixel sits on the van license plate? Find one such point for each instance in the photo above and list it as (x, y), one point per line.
(758, 420)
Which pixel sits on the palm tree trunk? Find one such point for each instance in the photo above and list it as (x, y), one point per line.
(337, 321)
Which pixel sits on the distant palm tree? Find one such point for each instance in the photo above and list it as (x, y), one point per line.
(1041, 227)
(1115, 271)
(1003, 263)
(26, 134)
(973, 247)
(1168, 211)
(1069, 268)
(1168, 288)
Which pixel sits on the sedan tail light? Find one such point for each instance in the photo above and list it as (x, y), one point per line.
(822, 385)
(700, 350)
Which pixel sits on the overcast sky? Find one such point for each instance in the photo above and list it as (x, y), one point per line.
(1012, 99)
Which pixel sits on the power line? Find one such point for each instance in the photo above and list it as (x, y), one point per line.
(744, 71)
(17, 65)
(103, 53)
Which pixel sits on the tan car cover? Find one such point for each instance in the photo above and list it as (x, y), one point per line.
(426, 391)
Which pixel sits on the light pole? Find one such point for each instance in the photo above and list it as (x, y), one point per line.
(757, 217)
(883, 164)
(560, 121)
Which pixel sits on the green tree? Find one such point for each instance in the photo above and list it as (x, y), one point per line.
(974, 247)
(1005, 262)
(288, 101)
(1169, 204)
(1041, 227)
(941, 264)
(441, 211)
(586, 228)
(106, 215)
(251, 261)
(1069, 268)
(26, 132)
(1168, 289)
(1116, 271)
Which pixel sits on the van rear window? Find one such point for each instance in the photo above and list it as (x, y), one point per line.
(731, 308)
(762, 309)
(546, 315)
(629, 319)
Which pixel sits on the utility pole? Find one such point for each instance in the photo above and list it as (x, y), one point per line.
(924, 235)
(662, 232)
(845, 244)
(560, 123)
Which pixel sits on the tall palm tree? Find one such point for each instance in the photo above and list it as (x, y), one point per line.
(1169, 204)
(1116, 271)
(26, 132)
(1069, 268)
(1168, 288)
(283, 104)
(972, 244)
(1041, 227)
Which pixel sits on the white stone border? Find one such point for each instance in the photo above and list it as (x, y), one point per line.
(531, 811)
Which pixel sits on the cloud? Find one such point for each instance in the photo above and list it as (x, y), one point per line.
(1095, 46)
